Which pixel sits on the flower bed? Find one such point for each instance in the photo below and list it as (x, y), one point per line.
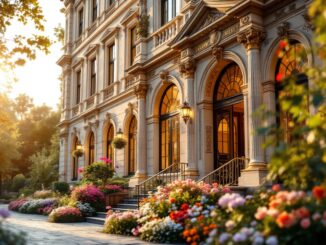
(33, 206)
(89, 194)
(121, 223)
(66, 215)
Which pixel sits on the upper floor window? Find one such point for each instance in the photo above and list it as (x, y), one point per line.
(133, 35)
(93, 77)
(110, 2)
(111, 55)
(94, 10)
(169, 10)
(80, 21)
(78, 87)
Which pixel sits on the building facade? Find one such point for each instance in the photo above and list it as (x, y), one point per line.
(130, 65)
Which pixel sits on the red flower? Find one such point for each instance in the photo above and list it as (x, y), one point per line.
(283, 44)
(285, 220)
(319, 192)
(172, 200)
(279, 77)
(184, 207)
(276, 187)
(106, 160)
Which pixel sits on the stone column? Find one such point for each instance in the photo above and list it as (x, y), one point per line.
(141, 164)
(254, 175)
(187, 69)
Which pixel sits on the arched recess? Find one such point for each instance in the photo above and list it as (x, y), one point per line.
(269, 66)
(74, 160)
(90, 147)
(205, 108)
(108, 133)
(132, 146)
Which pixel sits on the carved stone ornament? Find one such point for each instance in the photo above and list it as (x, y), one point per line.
(142, 25)
(251, 38)
(141, 90)
(217, 52)
(187, 68)
(283, 30)
(308, 22)
(164, 76)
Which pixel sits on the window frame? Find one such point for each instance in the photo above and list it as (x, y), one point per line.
(111, 50)
(94, 10)
(133, 44)
(80, 19)
(78, 86)
(93, 76)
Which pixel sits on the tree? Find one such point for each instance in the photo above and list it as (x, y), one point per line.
(8, 137)
(15, 50)
(301, 163)
(22, 104)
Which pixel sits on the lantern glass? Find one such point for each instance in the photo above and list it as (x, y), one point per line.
(185, 111)
(120, 133)
(79, 146)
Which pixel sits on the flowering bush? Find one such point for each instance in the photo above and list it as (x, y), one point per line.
(16, 204)
(109, 189)
(121, 223)
(86, 209)
(66, 215)
(37, 206)
(98, 173)
(160, 230)
(89, 194)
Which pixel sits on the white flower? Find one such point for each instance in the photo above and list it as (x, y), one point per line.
(272, 240)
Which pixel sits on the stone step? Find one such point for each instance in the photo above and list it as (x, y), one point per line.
(243, 190)
(131, 200)
(126, 206)
(101, 214)
(96, 220)
(121, 209)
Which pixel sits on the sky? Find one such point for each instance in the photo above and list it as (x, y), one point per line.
(39, 78)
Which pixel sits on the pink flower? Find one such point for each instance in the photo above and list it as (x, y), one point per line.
(316, 216)
(80, 170)
(276, 187)
(261, 213)
(305, 223)
(106, 160)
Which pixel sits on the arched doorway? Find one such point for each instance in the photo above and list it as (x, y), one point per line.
(228, 115)
(75, 162)
(132, 146)
(291, 64)
(91, 149)
(109, 147)
(169, 127)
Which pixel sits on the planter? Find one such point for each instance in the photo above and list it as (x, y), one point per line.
(115, 198)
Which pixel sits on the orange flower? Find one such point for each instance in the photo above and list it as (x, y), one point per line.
(319, 192)
(172, 200)
(194, 243)
(274, 204)
(188, 239)
(285, 220)
(185, 233)
(212, 226)
(279, 77)
(193, 231)
(201, 217)
(276, 187)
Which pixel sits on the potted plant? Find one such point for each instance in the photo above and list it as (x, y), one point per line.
(119, 142)
(114, 194)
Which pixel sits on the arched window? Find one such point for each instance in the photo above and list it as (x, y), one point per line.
(91, 149)
(75, 162)
(109, 147)
(132, 146)
(228, 115)
(291, 64)
(230, 83)
(169, 127)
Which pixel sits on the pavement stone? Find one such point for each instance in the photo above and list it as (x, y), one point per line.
(41, 232)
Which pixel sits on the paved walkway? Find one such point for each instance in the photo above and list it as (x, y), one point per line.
(41, 232)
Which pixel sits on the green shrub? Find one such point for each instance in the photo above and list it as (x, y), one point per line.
(18, 182)
(26, 191)
(61, 187)
(66, 201)
(123, 182)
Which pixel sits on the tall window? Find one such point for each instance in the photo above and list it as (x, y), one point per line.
(78, 86)
(132, 145)
(133, 39)
(93, 77)
(111, 64)
(109, 147)
(91, 149)
(290, 65)
(110, 2)
(75, 163)
(169, 10)
(94, 10)
(80, 21)
(169, 127)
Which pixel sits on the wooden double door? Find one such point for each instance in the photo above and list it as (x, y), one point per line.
(229, 133)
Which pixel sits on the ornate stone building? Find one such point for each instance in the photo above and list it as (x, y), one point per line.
(130, 65)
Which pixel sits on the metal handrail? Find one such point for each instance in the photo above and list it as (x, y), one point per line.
(176, 171)
(227, 174)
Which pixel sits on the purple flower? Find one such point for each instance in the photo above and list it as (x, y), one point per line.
(239, 237)
(272, 240)
(4, 213)
(224, 237)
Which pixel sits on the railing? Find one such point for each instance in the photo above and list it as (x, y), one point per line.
(130, 81)
(75, 110)
(90, 101)
(167, 32)
(228, 173)
(108, 92)
(174, 172)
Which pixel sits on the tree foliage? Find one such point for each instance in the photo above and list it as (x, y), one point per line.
(15, 50)
(301, 163)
